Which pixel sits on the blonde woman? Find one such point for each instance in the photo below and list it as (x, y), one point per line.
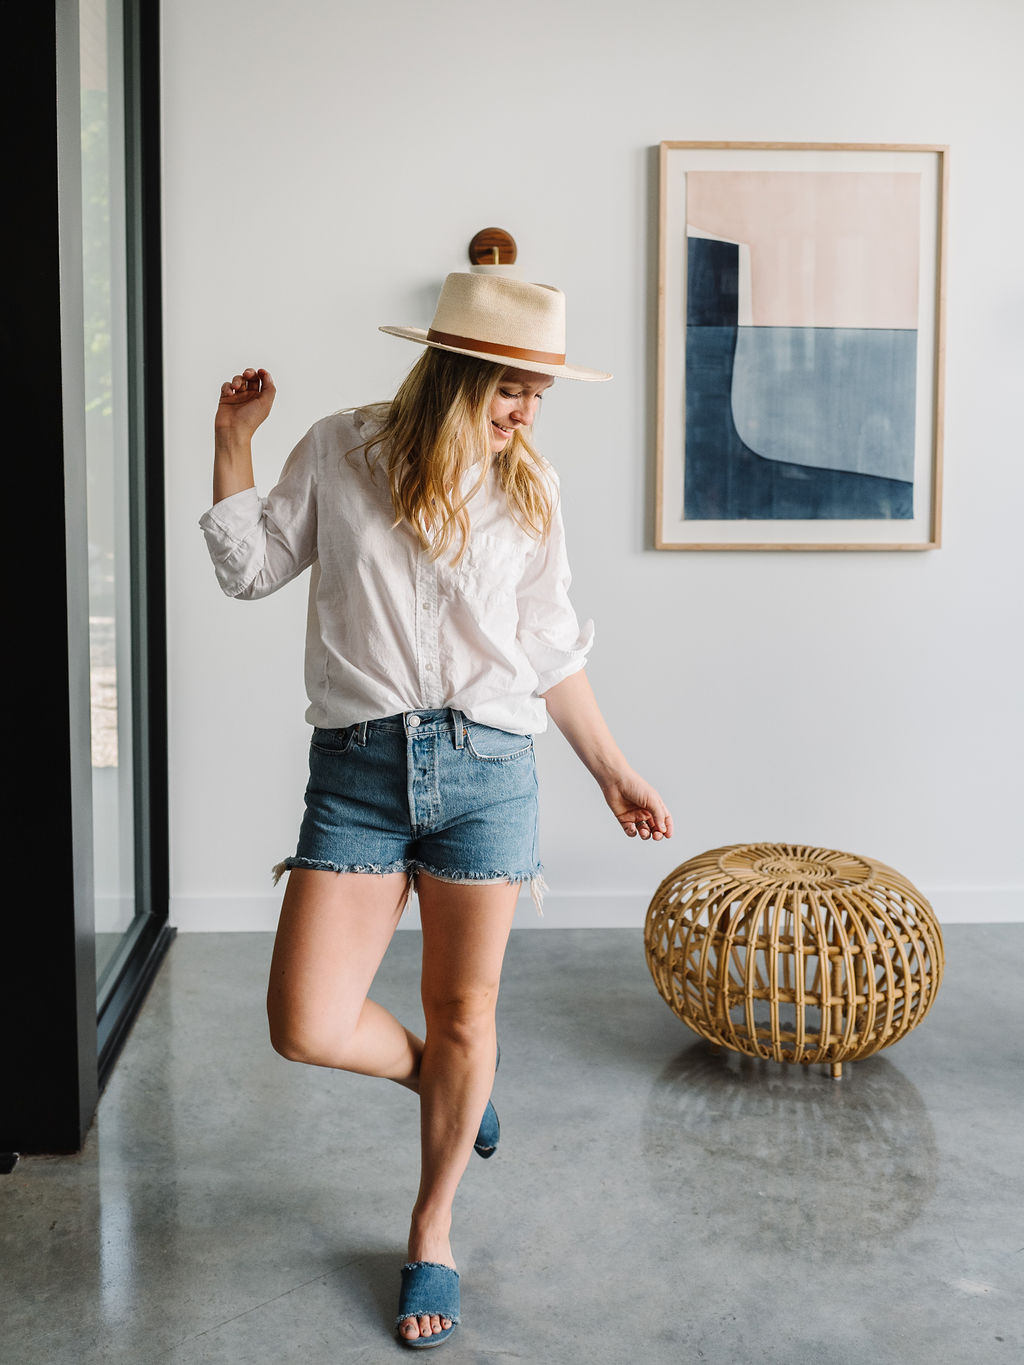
(440, 638)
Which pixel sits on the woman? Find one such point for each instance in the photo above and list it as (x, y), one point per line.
(440, 636)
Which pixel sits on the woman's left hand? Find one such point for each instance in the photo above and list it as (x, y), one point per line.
(638, 807)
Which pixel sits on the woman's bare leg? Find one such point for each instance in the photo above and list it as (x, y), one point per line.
(333, 932)
(465, 933)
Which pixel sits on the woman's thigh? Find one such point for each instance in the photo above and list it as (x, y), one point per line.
(465, 933)
(333, 932)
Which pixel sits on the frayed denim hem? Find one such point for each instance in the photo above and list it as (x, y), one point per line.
(321, 865)
(537, 883)
(538, 886)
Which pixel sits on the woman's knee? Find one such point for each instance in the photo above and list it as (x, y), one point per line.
(287, 1041)
(289, 1045)
(298, 1038)
(465, 1018)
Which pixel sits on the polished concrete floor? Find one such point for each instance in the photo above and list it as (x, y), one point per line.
(649, 1203)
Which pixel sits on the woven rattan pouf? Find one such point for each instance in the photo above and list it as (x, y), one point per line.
(793, 953)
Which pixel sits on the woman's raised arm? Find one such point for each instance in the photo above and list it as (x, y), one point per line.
(245, 402)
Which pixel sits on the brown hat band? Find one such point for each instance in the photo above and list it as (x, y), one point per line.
(507, 352)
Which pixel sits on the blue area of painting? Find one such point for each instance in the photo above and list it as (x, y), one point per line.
(835, 397)
(725, 479)
(712, 282)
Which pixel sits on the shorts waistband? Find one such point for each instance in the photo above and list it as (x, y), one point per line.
(414, 724)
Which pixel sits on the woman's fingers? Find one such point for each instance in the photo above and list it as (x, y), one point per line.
(655, 823)
(249, 384)
(649, 822)
(658, 818)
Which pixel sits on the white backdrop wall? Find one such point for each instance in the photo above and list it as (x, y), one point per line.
(326, 164)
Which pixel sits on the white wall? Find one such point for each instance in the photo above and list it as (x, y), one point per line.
(327, 163)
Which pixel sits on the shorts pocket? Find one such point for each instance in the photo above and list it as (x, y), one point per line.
(333, 741)
(496, 746)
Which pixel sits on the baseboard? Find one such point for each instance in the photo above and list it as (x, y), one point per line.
(571, 910)
(978, 904)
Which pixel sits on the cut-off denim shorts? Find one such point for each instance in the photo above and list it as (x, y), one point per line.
(423, 791)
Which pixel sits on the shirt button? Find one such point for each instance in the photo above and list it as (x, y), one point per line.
(412, 721)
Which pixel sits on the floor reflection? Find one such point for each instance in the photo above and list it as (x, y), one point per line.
(827, 1166)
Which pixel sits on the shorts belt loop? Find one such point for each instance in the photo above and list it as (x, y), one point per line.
(361, 733)
(459, 727)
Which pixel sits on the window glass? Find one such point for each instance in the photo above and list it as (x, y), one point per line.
(104, 259)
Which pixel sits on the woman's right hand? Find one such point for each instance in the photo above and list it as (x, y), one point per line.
(245, 402)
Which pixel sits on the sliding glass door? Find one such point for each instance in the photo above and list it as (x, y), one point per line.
(120, 295)
(108, 480)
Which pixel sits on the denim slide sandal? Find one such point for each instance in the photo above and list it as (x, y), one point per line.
(489, 1134)
(428, 1289)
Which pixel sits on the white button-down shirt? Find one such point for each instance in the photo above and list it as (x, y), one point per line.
(390, 629)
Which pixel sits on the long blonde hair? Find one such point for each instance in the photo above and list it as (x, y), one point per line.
(433, 431)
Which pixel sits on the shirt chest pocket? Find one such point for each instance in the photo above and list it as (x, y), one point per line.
(489, 571)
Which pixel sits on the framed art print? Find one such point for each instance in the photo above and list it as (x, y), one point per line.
(800, 346)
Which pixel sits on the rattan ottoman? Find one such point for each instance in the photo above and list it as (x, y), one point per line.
(793, 953)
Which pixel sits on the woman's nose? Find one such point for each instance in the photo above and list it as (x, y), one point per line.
(525, 411)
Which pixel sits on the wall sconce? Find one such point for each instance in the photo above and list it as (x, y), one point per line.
(493, 252)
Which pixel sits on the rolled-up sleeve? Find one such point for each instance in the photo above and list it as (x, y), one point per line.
(259, 544)
(550, 634)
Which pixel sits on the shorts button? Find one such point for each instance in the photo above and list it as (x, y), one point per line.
(412, 721)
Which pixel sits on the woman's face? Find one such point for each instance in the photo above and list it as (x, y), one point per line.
(515, 404)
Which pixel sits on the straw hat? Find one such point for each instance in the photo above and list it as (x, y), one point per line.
(494, 317)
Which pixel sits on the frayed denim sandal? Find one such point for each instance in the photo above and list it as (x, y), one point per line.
(489, 1134)
(428, 1290)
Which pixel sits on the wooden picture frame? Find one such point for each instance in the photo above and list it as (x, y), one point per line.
(801, 315)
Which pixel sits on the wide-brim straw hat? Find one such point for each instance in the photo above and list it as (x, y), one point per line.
(505, 320)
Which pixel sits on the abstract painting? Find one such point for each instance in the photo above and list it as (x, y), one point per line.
(800, 346)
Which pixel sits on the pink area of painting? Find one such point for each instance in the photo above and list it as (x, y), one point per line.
(827, 248)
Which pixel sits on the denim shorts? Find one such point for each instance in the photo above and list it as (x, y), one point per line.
(423, 791)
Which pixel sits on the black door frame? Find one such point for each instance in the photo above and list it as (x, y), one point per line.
(58, 1049)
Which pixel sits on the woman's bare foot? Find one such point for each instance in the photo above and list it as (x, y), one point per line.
(428, 1243)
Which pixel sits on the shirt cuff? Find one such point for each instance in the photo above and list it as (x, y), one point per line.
(553, 665)
(228, 527)
(234, 515)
